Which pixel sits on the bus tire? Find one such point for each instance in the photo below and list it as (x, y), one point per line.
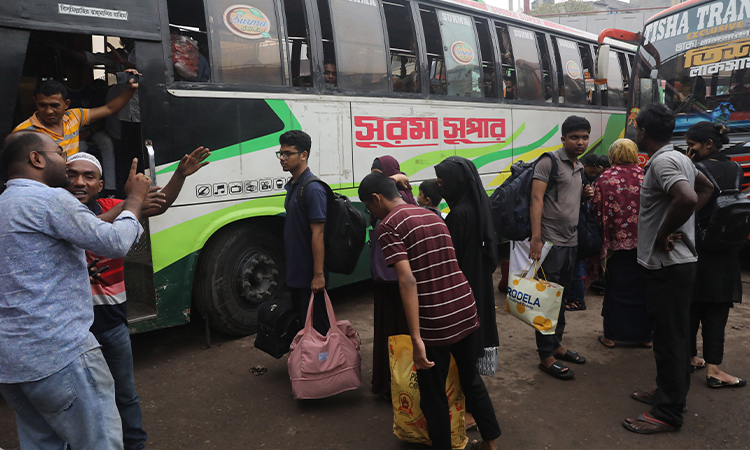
(239, 268)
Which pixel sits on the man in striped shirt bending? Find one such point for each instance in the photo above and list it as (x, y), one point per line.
(439, 305)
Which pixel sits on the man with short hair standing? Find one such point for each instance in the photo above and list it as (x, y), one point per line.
(673, 189)
(110, 325)
(53, 374)
(304, 229)
(440, 309)
(555, 203)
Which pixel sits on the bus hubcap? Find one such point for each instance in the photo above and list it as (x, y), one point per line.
(258, 277)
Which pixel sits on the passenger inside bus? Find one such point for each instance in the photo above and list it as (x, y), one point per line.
(402, 46)
(329, 70)
(510, 88)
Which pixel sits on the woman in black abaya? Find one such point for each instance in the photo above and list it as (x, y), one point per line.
(470, 225)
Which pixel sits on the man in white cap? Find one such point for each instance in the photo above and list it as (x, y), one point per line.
(108, 285)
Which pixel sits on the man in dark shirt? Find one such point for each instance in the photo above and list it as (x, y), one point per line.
(304, 229)
(439, 305)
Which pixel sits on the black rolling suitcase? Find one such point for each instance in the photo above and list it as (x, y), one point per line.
(277, 325)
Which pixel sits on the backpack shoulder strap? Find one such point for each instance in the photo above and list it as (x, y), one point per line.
(702, 167)
(303, 187)
(553, 170)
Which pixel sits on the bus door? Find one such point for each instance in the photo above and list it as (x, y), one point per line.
(83, 48)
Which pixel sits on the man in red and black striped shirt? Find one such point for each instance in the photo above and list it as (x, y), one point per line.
(439, 306)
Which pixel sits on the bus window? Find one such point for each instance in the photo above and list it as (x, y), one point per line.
(187, 33)
(528, 68)
(298, 49)
(508, 64)
(329, 52)
(587, 62)
(462, 72)
(360, 45)
(488, 59)
(245, 43)
(615, 95)
(573, 90)
(541, 41)
(402, 44)
(434, 47)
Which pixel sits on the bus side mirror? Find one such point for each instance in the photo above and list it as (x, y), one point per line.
(601, 67)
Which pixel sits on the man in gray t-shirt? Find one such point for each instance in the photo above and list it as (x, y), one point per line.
(672, 191)
(554, 211)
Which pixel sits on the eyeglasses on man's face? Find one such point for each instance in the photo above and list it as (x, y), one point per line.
(285, 155)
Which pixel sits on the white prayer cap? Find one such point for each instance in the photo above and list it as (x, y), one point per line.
(81, 156)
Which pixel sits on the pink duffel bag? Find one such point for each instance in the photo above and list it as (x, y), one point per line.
(322, 366)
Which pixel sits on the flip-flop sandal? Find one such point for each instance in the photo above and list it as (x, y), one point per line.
(556, 370)
(693, 368)
(571, 357)
(647, 397)
(572, 306)
(717, 383)
(601, 339)
(662, 427)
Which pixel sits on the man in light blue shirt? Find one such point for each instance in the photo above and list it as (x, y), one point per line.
(52, 373)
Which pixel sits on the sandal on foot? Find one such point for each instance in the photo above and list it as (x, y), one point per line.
(717, 383)
(693, 367)
(601, 339)
(647, 397)
(575, 306)
(474, 445)
(571, 357)
(661, 427)
(556, 370)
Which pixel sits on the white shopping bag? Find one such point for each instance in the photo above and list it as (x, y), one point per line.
(535, 302)
(519, 256)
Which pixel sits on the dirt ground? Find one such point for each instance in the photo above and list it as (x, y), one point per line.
(197, 398)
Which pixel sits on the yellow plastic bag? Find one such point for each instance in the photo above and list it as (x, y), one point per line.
(536, 302)
(409, 424)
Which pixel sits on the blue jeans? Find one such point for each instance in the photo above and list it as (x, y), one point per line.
(76, 405)
(119, 356)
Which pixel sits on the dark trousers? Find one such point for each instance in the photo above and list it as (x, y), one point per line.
(557, 267)
(713, 318)
(434, 402)
(669, 292)
(301, 300)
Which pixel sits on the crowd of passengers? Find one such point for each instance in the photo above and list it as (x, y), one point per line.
(63, 294)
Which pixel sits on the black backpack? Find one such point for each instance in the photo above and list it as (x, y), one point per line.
(729, 225)
(345, 229)
(278, 323)
(511, 201)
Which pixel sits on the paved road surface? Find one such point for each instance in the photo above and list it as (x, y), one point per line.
(195, 398)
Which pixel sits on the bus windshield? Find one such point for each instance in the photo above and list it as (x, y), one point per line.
(697, 62)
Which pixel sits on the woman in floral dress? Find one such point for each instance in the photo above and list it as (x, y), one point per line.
(616, 204)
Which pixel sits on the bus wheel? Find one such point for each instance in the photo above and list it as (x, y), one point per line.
(239, 269)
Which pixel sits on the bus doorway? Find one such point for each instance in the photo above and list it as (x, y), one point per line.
(87, 66)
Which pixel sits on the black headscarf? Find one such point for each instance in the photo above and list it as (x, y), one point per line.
(461, 183)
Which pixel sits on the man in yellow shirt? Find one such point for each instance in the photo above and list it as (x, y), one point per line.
(53, 118)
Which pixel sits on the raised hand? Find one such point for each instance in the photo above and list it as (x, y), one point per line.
(138, 184)
(132, 83)
(189, 164)
(154, 199)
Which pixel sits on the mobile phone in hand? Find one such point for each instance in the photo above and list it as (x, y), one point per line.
(93, 264)
(100, 270)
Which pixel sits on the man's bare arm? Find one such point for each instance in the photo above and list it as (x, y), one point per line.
(407, 285)
(116, 104)
(703, 188)
(319, 253)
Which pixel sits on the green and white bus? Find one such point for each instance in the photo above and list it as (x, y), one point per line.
(420, 80)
